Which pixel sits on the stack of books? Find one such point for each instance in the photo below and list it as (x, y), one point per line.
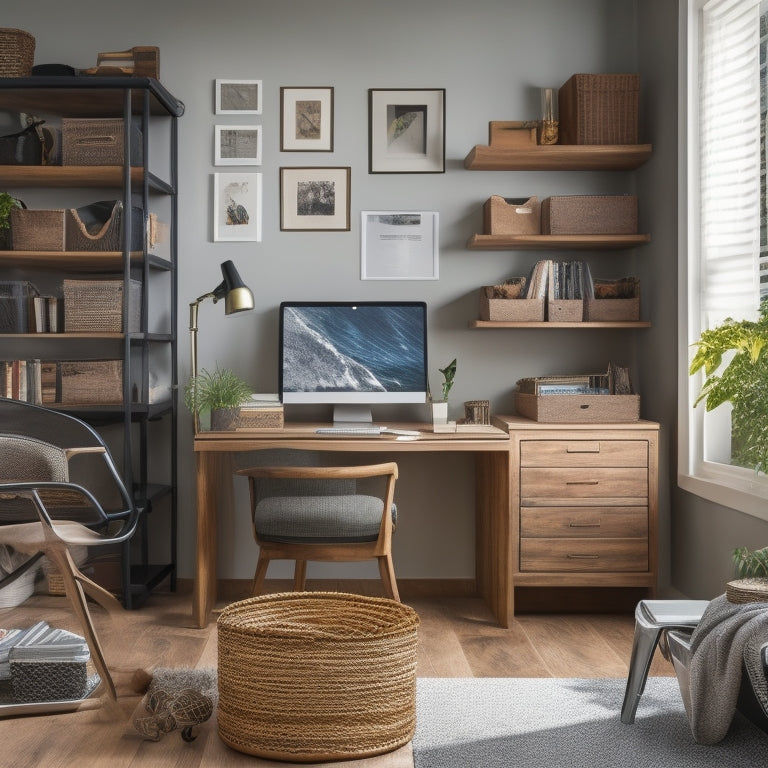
(262, 411)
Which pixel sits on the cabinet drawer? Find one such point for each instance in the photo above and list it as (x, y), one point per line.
(587, 483)
(584, 522)
(584, 453)
(585, 555)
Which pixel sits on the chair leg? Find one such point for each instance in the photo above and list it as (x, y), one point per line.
(300, 576)
(387, 571)
(97, 593)
(643, 646)
(63, 561)
(260, 576)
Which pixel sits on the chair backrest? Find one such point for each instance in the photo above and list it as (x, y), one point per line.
(28, 459)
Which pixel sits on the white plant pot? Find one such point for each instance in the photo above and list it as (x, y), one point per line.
(440, 412)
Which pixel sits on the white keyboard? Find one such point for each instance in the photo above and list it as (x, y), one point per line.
(349, 431)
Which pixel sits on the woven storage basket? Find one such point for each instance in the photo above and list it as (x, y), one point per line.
(599, 109)
(97, 306)
(509, 310)
(308, 677)
(97, 141)
(578, 409)
(92, 382)
(99, 227)
(17, 52)
(747, 591)
(589, 215)
(37, 230)
(510, 216)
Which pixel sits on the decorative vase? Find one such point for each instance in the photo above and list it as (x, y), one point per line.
(224, 419)
(439, 412)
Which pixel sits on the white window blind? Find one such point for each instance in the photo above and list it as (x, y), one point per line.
(729, 135)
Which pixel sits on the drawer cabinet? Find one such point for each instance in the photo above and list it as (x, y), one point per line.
(584, 504)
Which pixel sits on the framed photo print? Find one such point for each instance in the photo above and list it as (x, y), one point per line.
(237, 145)
(237, 207)
(306, 119)
(399, 245)
(238, 97)
(314, 198)
(406, 130)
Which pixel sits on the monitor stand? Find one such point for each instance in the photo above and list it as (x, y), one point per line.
(352, 415)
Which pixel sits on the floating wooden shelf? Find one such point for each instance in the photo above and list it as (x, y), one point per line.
(77, 261)
(559, 157)
(549, 242)
(546, 324)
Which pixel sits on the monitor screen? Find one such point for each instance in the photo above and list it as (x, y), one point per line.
(353, 353)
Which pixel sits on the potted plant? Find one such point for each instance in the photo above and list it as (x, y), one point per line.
(440, 407)
(7, 203)
(221, 392)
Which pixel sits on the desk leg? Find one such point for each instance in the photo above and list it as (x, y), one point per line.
(493, 550)
(212, 485)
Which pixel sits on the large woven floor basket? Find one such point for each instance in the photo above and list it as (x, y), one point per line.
(317, 676)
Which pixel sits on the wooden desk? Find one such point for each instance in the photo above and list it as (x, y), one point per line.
(214, 452)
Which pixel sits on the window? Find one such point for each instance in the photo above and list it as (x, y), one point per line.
(723, 222)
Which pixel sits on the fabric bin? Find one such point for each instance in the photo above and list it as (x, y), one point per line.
(37, 230)
(511, 216)
(98, 141)
(97, 305)
(589, 215)
(599, 109)
(15, 305)
(614, 300)
(509, 310)
(99, 227)
(92, 382)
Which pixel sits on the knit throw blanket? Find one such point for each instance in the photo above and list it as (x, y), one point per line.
(727, 634)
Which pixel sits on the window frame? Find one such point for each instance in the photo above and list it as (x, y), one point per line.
(734, 487)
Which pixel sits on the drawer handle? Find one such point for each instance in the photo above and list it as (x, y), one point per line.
(573, 524)
(582, 482)
(583, 557)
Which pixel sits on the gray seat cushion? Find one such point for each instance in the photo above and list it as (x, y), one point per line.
(319, 519)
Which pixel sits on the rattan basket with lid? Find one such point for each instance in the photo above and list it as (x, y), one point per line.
(17, 52)
(316, 676)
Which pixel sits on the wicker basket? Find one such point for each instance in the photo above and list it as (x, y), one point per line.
(309, 677)
(97, 141)
(17, 52)
(599, 109)
(509, 310)
(97, 305)
(747, 591)
(589, 215)
(37, 230)
(509, 216)
(92, 382)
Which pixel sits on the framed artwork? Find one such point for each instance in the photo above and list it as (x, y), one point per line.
(238, 97)
(237, 145)
(406, 130)
(306, 119)
(237, 207)
(314, 198)
(399, 245)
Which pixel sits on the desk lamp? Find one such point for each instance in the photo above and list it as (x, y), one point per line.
(237, 296)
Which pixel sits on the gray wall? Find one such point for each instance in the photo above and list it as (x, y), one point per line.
(491, 56)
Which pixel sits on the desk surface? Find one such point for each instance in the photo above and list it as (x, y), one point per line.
(300, 435)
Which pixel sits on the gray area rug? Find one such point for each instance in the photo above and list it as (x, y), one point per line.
(566, 723)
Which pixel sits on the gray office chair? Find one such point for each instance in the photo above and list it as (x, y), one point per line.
(59, 488)
(311, 513)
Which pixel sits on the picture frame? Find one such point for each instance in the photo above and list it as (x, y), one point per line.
(406, 130)
(237, 207)
(315, 199)
(306, 119)
(399, 245)
(237, 145)
(238, 97)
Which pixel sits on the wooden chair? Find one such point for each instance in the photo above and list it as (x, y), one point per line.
(305, 513)
(59, 488)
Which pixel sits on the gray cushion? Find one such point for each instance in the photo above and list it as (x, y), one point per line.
(319, 519)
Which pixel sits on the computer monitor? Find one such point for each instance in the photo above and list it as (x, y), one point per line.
(353, 355)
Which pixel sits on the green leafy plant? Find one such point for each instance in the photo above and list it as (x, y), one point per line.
(211, 390)
(7, 204)
(449, 374)
(751, 563)
(743, 383)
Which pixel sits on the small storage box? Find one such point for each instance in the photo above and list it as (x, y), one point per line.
(511, 216)
(509, 310)
(260, 418)
(623, 307)
(15, 305)
(599, 109)
(97, 305)
(589, 215)
(565, 310)
(37, 230)
(92, 382)
(506, 134)
(97, 141)
(578, 409)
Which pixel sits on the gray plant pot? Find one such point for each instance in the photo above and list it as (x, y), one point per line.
(224, 419)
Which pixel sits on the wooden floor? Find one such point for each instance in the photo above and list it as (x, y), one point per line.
(457, 638)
